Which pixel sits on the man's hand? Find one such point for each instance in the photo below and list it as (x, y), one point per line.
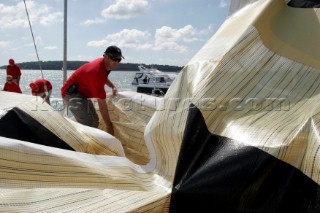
(105, 115)
(114, 91)
(109, 128)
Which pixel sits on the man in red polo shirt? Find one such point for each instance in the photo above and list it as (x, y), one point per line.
(42, 88)
(88, 82)
(14, 70)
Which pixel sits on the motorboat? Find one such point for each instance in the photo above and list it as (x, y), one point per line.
(154, 88)
(152, 81)
(145, 74)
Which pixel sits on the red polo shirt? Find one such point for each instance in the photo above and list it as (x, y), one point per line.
(14, 71)
(13, 87)
(90, 79)
(40, 83)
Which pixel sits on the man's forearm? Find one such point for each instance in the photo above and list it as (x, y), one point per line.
(114, 89)
(110, 84)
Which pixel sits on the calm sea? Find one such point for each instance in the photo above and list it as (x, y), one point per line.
(122, 80)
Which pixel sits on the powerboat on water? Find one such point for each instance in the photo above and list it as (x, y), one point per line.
(145, 74)
(152, 81)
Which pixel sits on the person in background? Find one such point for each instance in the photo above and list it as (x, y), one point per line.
(42, 88)
(11, 86)
(87, 82)
(14, 70)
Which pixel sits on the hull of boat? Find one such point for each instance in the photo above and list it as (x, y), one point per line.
(149, 89)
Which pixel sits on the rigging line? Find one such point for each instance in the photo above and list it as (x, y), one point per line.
(35, 47)
(34, 43)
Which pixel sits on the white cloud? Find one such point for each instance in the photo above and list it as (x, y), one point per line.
(167, 38)
(15, 16)
(223, 3)
(101, 43)
(125, 9)
(171, 46)
(93, 21)
(50, 48)
(4, 44)
(126, 38)
(122, 9)
(50, 18)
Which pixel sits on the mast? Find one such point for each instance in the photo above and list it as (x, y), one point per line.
(65, 42)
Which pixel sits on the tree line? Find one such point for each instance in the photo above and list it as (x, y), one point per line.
(73, 65)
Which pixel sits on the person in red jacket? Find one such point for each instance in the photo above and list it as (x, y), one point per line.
(42, 88)
(11, 86)
(88, 82)
(14, 70)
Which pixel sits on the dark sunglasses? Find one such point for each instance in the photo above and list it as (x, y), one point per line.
(113, 58)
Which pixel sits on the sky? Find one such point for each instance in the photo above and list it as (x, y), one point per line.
(165, 32)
